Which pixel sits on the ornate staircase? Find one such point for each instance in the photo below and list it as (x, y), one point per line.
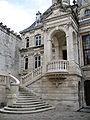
(20, 100)
(26, 102)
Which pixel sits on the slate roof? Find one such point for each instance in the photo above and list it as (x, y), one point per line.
(33, 26)
(43, 16)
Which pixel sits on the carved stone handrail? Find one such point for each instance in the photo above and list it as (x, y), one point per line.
(16, 82)
(31, 75)
(11, 84)
(57, 66)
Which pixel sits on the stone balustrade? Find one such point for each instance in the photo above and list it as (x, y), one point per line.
(30, 76)
(10, 89)
(3, 80)
(58, 66)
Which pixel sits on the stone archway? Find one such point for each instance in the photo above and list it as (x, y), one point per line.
(59, 47)
(87, 92)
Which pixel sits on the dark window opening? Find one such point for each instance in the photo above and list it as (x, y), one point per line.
(86, 49)
(87, 92)
(64, 54)
(26, 63)
(27, 42)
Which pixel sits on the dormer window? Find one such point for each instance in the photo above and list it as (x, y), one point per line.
(27, 42)
(38, 40)
(87, 12)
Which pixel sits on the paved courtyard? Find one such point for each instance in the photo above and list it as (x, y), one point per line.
(55, 114)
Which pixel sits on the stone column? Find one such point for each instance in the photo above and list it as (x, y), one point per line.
(70, 49)
(44, 67)
(49, 50)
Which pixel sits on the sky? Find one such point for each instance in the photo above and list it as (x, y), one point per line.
(20, 14)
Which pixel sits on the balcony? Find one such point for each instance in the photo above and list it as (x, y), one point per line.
(59, 66)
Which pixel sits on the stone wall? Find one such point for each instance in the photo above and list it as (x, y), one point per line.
(9, 57)
(9, 52)
(63, 91)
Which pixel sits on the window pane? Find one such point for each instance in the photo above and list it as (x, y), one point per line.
(36, 42)
(26, 63)
(35, 64)
(39, 63)
(27, 42)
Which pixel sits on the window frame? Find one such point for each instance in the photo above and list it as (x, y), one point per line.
(37, 61)
(38, 40)
(86, 49)
(87, 12)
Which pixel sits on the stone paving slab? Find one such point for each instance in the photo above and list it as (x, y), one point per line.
(55, 114)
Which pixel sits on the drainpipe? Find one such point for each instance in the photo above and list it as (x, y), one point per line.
(78, 46)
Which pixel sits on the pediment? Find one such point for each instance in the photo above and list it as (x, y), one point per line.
(56, 13)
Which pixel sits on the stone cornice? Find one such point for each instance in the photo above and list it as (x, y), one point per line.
(31, 48)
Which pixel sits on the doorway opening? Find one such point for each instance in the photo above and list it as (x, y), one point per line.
(64, 54)
(87, 92)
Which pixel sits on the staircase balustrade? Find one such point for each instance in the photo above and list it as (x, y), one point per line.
(11, 84)
(3, 80)
(30, 76)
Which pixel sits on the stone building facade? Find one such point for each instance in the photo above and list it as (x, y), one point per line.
(55, 54)
(54, 60)
(9, 57)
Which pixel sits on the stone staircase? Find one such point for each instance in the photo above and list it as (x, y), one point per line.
(27, 102)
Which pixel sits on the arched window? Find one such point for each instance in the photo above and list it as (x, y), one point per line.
(26, 63)
(37, 40)
(27, 42)
(37, 61)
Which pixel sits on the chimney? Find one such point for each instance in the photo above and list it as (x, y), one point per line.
(54, 1)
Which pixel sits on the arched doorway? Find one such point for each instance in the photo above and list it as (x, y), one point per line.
(87, 92)
(59, 47)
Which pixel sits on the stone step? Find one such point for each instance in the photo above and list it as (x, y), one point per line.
(28, 101)
(28, 106)
(26, 96)
(26, 109)
(31, 103)
(25, 112)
